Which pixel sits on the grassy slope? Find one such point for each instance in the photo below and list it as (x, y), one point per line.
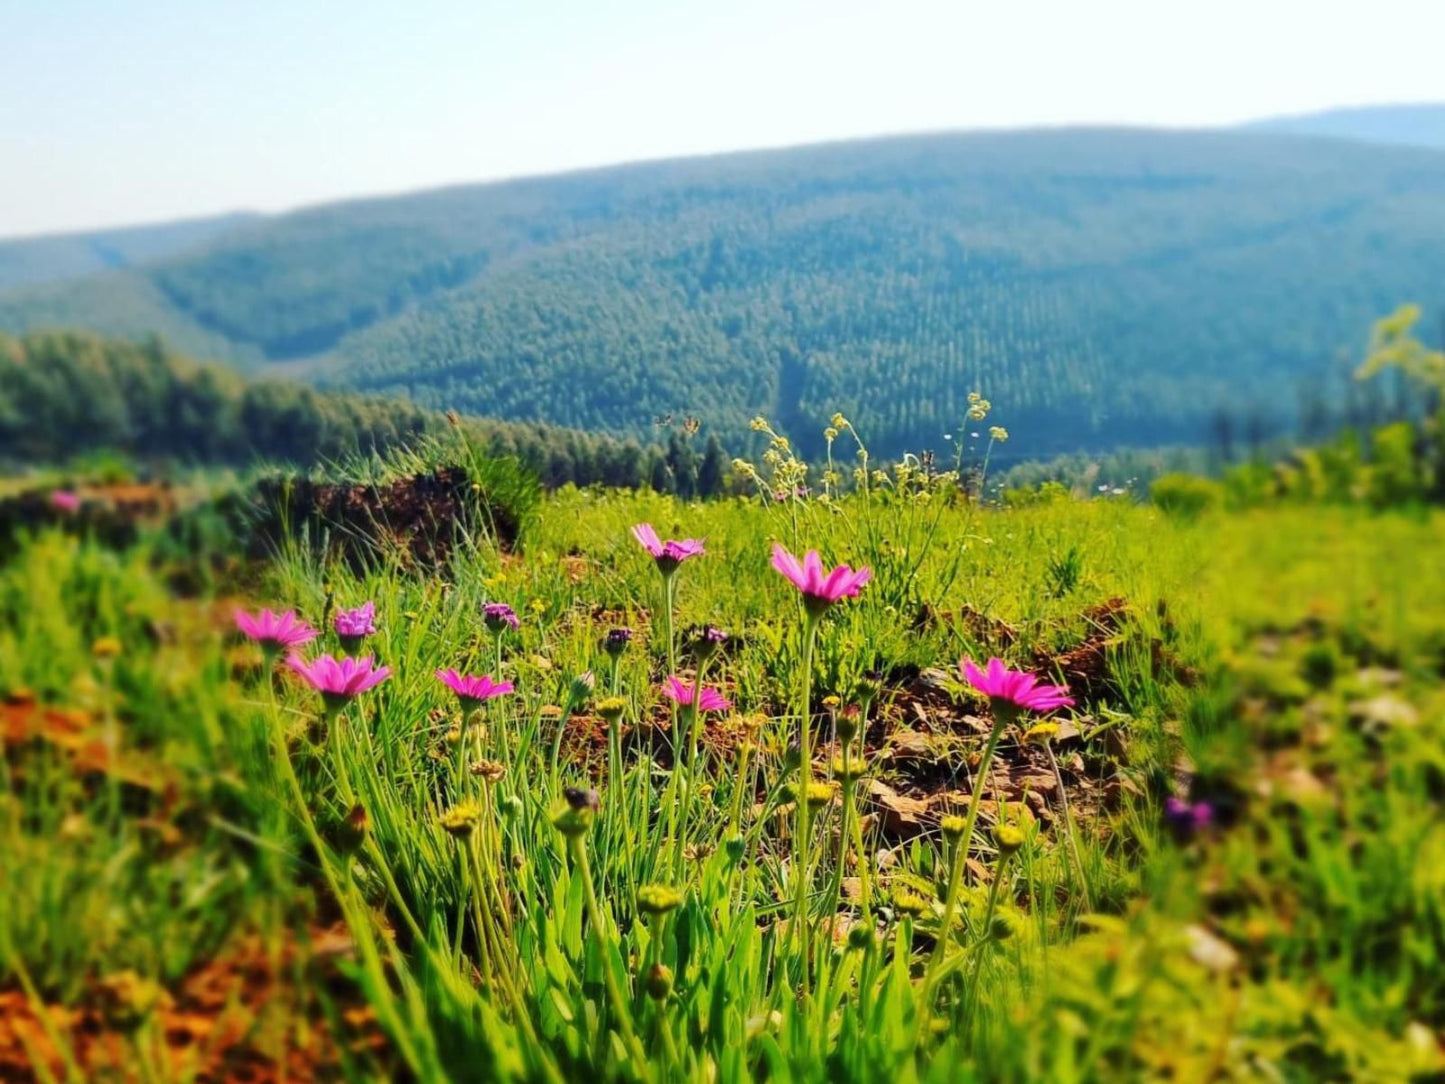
(1303, 940)
(1143, 273)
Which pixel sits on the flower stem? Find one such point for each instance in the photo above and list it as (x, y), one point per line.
(971, 995)
(801, 844)
(1069, 827)
(960, 859)
(578, 847)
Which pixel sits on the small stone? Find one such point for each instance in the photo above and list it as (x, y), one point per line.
(1210, 952)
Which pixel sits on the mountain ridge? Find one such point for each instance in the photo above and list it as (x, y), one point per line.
(1046, 266)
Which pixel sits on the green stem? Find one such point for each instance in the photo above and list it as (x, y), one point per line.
(960, 859)
(1069, 828)
(578, 847)
(971, 994)
(371, 960)
(865, 879)
(668, 598)
(693, 725)
(801, 844)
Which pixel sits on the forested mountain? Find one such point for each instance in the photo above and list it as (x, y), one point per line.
(1417, 125)
(33, 260)
(66, 394)
(1102, 287)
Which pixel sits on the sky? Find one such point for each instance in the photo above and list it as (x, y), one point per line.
(115, 112)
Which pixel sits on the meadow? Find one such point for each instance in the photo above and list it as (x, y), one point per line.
(1222, 860)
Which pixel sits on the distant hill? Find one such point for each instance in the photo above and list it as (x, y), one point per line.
(1102, 286)
(27, 261)
(1420, 125)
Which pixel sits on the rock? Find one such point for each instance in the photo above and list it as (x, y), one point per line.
(1380, 677)
(912, 745)
(899, 815)
(934, 678)
(1383, 712)
(1210, 952)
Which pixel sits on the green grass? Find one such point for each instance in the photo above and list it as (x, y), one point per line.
(1283, 663)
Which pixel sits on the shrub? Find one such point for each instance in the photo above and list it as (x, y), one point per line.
(1185, 495)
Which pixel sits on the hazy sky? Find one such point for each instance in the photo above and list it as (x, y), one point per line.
(121, 111)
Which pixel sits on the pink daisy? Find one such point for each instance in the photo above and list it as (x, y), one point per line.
(1018, 690)
(275, 632)
(680, 692)
(820, 589)
(473, 691)
(338, 680)
(669, 554)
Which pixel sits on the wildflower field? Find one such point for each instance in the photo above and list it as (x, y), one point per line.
(872, 786)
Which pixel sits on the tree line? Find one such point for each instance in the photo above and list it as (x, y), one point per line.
(66, 394)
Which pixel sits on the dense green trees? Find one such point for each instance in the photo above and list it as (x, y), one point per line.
(1106, 287)
(64, 394)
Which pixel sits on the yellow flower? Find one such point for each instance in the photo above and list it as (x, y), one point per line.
(830, 434)
(998, 433)
(839, 422)
(537, 605)
(1041, 733)
(107, 647)
(758, 424)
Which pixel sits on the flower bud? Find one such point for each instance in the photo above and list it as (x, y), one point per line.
(707, 642)
(1004, 925)
(499, 617)
(658, 982)
(582, 686)
(611, 708)
(462, 820)
(952, 827)
(572, 823)
(820, 793)
(909, 903)
(736, 847)
(351, 832)
(489, 770)
(574, 819)
(1008, 839)
(849, 771)
(512, 806)
(658, 899)
(617, 641)
(870, 685)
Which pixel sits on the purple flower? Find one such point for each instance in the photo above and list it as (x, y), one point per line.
(275, 632)
(820, 589)
(473, 692)
(353, 626)
(706, 641)
(680, 692)
(1187, 817)
(65, 500)
(499, 616)
(338, 680)
(669, 554)
(617, 641)
(1015, 690)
